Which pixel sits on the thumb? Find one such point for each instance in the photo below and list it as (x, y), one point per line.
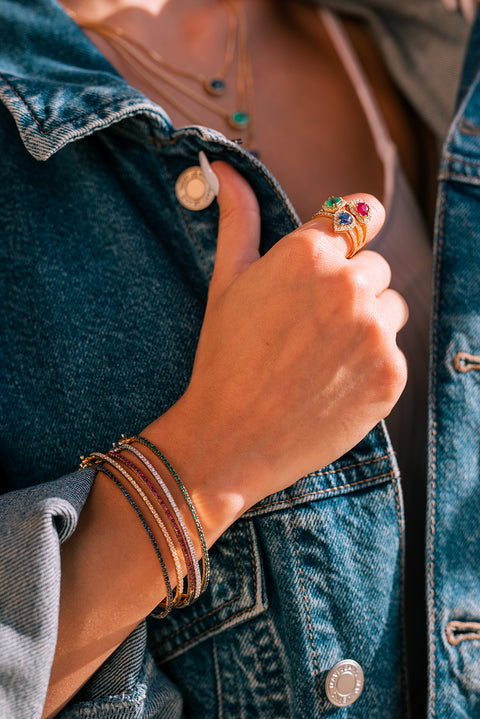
(238, 228)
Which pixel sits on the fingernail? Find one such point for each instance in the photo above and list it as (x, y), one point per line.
(208, 173)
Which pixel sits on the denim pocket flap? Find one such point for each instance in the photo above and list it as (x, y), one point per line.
(236, 593)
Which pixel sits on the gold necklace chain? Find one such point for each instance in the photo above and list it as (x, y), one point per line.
(159, 74)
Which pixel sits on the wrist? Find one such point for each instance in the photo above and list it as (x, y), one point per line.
(215, 473)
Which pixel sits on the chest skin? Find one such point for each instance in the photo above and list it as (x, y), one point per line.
(311, 131)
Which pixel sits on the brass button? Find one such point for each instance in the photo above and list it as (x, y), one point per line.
(192, 189)
(344, 683)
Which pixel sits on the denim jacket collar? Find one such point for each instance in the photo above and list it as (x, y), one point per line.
(45, 61)
(57, 85)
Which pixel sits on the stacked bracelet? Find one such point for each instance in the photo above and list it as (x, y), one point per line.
(189, 549)
(201, 536)
(165, 606)
(156, 502)
(189, 558)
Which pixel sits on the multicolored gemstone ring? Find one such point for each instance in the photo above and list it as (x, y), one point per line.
(351, 217)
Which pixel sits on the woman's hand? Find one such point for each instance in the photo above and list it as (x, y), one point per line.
(297, 359)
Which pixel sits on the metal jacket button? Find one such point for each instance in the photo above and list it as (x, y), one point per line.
(192, 189)
(344, 683)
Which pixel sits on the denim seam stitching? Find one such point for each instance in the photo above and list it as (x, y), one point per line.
(401, 537)
(402, 591)
(459, 176)
(218, 683)
(453, 157)
(237, 690)
(309, 619)
(264, 672)
(468, 128)
(289, 500)
(279, 663)
(360, 463)
(216, 626)
(71, 122)
(433, 486)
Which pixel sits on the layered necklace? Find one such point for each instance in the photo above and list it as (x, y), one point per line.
(164, 76)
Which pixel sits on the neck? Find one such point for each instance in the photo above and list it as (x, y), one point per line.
(191, 25)
(102, 10)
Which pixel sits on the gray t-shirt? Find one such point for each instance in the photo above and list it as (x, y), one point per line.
(423, 44)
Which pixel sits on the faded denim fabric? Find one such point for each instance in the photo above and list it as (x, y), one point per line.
(104, 279)
(453, 534)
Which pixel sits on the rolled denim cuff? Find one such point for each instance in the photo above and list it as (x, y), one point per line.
(129, 685)
(33, 524)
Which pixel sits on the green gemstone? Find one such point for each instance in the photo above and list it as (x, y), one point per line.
(333, 201)
(239, 120)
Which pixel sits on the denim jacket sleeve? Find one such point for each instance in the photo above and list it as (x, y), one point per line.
(33, 524)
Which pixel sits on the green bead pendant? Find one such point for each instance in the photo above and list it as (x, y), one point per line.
(239, 120)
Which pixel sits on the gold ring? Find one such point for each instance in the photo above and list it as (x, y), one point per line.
(350, 217)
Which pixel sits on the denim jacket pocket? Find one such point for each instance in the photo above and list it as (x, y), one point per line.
(236, 593)
(237, 589)
(308, 577)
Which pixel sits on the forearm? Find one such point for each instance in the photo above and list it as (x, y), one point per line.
(110, 582)
(111, 578)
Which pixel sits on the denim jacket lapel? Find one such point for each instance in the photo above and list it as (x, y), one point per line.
(61, 93)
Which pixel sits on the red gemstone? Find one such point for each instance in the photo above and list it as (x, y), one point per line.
(362, 208)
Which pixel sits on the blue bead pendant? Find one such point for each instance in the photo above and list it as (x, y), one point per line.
(215, 86)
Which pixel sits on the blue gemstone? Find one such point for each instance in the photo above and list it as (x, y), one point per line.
(344, 218)
(215, 86)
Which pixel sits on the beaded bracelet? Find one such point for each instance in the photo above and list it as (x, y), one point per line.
(155, 450)
(188, 550)
(180, 598)
(161, 610)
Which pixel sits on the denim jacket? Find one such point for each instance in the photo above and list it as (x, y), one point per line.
(104, 277)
